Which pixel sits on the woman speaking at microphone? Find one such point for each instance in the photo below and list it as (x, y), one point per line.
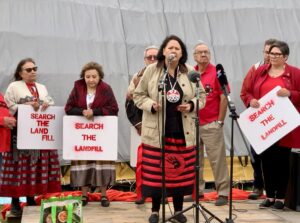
(180, 105)
(275, 160)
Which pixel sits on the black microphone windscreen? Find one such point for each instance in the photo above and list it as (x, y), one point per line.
(219, 67)
(221, 75)
(194, 76)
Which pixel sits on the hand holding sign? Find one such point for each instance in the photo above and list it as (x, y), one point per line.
(88, 113)
(283, 92)
(35, 105)
(44, 106)
(265, 125)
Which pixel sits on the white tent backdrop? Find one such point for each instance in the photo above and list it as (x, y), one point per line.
(62, 35)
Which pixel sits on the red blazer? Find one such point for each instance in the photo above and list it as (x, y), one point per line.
(4, 132)
(291, 80)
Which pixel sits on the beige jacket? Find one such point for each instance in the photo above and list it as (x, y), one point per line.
(147, 93)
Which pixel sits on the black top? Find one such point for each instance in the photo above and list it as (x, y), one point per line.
(173, 116)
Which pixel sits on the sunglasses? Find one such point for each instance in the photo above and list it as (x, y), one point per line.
(151, 57)
(28, 70)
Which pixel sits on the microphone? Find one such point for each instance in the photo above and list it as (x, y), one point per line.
(194, 76)
(161, 82)
(222, 78)
(171, 57)
(221, 75)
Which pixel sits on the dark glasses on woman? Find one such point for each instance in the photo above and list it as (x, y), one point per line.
(28, 70)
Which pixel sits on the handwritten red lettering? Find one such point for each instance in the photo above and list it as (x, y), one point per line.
(39, 131)
(89, 126)
(267, 120)
(47, 138)
(88, 149)
(261, 110)
(89, 137)
(273, 129)
(42, 116)
(42, 123)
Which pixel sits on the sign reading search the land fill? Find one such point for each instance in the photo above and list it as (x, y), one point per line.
(90, 139)
(39, 129)
(265, 125)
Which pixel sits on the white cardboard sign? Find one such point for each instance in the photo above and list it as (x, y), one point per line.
(39, 130)
(90, 140)
(135, 141)
(275, 118)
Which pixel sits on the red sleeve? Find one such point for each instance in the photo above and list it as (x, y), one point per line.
(71, 102)
(245, 94)
(3, 110)
(1, 121)
(295, 88)
(110, 107)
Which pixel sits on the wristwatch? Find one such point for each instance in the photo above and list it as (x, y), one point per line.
(221, 123)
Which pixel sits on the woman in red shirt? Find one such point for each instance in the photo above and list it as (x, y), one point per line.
(275, 160)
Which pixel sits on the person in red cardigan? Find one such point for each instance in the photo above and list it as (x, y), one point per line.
(90, 97)
(275, 160)
(7, 122)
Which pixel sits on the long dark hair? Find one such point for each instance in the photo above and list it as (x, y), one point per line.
(17, 76)
(161, 57)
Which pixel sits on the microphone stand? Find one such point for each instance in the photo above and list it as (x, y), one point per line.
(162, 89)
(197, 205)
(234, 116)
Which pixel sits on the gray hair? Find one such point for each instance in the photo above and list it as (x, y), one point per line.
(149, 48)
(200, 42)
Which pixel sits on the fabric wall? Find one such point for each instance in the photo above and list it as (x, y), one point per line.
(63, 35)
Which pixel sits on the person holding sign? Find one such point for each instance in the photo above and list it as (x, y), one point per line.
(171, 71)
(258, 182)
(275, 160)
(28, 172)
(90, 97)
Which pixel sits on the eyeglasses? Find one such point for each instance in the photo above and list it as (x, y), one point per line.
(201, 52)
(151, 57)
(275, 54)
(28, 70)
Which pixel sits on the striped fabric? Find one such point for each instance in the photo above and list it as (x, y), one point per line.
(26, 178)
(92, 173)
(179, 168)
